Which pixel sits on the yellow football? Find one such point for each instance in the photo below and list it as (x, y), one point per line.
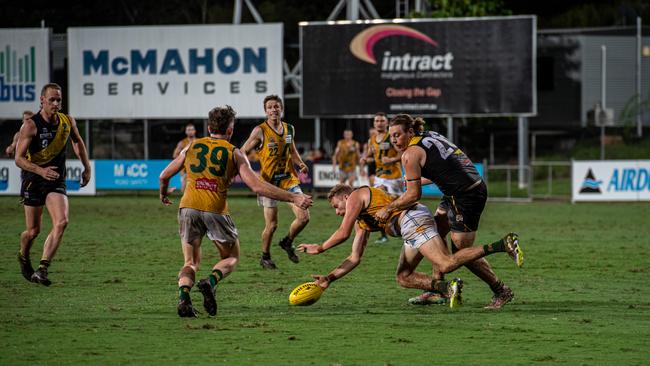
(305, 294)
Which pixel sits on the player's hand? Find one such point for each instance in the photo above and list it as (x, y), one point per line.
(303, 201)
(362, 161)
(382, 215)
(386, 160)
(49, 173)
(303, 168)
(165, 200)
(321, 281)
(310, 248)
(9, 150)
(85, 177)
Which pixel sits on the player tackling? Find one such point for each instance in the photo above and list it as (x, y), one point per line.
(417, 228)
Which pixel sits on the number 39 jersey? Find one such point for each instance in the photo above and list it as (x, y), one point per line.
(446, 165)
(275, 156)
(210, 167)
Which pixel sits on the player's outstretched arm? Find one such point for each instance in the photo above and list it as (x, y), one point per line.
(296, 159)
(170, 170)
(353, 207)
(265, 189)
(351, 262)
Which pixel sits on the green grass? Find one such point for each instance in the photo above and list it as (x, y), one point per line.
(581, 298)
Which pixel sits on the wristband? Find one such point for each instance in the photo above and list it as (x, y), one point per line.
(331, 278)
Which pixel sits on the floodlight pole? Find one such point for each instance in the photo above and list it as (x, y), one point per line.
(639, 127)
(522, 136)
(450, 129)
(603, 97)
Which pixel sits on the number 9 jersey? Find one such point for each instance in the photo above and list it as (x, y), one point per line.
(210, 167)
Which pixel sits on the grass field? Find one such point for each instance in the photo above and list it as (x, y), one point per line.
(582, 297)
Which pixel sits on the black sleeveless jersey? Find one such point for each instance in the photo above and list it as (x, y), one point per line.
(446, 165)
(47, 147)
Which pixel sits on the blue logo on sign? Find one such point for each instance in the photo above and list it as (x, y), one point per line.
(4, 178)
(590, 184)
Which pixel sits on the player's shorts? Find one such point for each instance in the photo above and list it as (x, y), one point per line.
(34, 190)
(372, 167)
(464, 209)
(417, 226)
(343, 175)
(194, 224)
(393, 186)
(270, 202)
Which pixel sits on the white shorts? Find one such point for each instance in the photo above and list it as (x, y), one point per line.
(194, 224)
(394, 187)
(270, 202)
(417, 226)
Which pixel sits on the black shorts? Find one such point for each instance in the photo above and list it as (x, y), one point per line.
(465, 208)
(372, 167)
(34, 190)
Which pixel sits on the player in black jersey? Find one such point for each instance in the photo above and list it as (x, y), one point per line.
(430, 158)
(40, 153)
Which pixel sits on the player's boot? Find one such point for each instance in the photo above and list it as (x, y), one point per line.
(40, 276)
(209, 298)
(514, 249)
(504, 296)
(429, 298)
(25, 267)
(268, 263)
(285, 244)
(383, 239)
(186, 310)
(455, 290)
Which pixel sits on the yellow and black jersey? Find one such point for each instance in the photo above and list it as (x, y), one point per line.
(348, 155)
(47, 147)
(381, 149)
(210, 167)
(378, 200)
(275, 156)
(446, 165)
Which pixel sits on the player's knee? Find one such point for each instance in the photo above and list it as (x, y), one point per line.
(32, 233)
(61, 224)
(271, 226)
(402, 278)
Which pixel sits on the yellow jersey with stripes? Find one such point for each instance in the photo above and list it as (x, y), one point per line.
(210, 168)
(381, 149)
(378, 200)
(275, 156)
(47, 147)
(348, 155)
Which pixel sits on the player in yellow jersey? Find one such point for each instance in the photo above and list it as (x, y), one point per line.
(345, 158)
(190, 135)
(211, 164)
(40, 153)
(415, 225)
(11, 148)
(388, 168)
(276, 150)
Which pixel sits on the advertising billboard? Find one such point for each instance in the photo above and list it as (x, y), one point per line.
(173, 71)
(610, 180)
(430, 67)
(24, 69)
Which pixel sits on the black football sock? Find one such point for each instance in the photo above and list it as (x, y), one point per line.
(439, 286)
(266, 255)
(184, 293)
(215, 277)
(497, 246)
(497, 287)
(44, 264)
